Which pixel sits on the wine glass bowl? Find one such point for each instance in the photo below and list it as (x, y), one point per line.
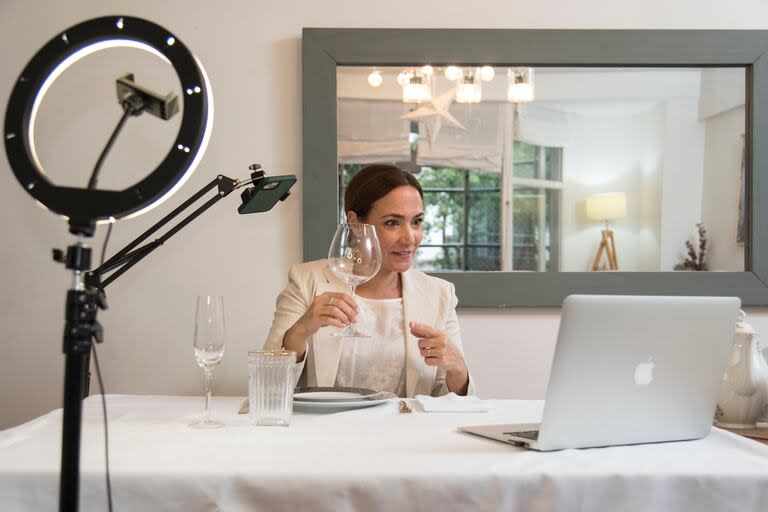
(354, 257)
(209, 340)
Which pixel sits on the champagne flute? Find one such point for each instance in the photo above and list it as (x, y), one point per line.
(210, 334)
(354, 257)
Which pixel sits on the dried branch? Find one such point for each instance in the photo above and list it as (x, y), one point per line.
(695, 258)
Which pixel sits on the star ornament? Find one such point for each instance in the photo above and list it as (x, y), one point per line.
(432, 114)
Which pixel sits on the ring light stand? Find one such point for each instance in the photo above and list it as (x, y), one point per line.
(85, 207)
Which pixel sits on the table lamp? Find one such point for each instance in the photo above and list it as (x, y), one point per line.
(606, 207)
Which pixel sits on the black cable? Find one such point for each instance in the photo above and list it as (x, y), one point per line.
(100, 161)
(131, 106)
(106, 430)
(101, 387)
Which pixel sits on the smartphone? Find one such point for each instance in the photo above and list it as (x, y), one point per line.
(265, 193)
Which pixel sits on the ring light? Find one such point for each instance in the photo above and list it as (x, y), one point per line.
(83, 206)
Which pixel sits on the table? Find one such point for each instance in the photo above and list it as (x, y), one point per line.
(369, 459)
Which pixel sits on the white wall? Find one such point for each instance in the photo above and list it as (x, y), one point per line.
(252, 53)
(654, 154)
(720, 195)
(721, 90)
(613, 153)
(682, 180)
(722, 113)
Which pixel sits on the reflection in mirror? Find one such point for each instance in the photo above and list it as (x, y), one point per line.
(559, 169)
(80, 111)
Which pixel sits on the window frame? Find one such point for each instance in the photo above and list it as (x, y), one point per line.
(466, 190)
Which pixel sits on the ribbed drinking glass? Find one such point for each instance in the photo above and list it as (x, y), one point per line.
(270, 386)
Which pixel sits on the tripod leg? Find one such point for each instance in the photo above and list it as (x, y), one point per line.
(69, 483)
(80, 328)
(612, 252)
(602, 247)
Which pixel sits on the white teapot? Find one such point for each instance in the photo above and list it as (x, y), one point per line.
(744, 390)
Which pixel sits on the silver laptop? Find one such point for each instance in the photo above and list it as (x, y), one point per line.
(629, 370)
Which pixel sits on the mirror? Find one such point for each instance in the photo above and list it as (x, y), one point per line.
(600, 96)
(526, 185)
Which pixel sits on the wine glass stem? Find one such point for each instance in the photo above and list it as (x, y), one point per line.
(208, 393)
(352, 287)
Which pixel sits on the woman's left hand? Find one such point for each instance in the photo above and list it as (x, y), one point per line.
(438, 350)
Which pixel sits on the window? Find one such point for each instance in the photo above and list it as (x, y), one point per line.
(462, 220)
(465, 227)
(535, 189)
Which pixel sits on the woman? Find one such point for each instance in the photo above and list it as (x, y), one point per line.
(415, 348)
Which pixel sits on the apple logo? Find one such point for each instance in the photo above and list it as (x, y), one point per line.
(644, 372)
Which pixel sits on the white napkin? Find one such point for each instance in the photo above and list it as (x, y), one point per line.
(451, 403)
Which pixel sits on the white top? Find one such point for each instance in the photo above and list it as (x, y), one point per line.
(377, 362)
(371, 459)
(426, 299)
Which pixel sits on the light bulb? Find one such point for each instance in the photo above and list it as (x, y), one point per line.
(452, 73)
(375, 78)
(427, 70)
(487, 73)
(403, 78)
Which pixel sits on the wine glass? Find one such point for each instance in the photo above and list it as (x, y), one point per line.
(210, 334)
(355, 257)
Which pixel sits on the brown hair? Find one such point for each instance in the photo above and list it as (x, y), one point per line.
(373, 182)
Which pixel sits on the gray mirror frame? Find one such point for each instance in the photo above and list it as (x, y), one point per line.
(323, 49)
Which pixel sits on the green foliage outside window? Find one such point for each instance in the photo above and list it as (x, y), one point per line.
(450, 194)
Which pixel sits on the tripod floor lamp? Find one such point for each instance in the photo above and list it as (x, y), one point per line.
(606, 207)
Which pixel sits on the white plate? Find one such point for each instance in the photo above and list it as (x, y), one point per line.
(300, 406)
(327, 396)
(335, 394)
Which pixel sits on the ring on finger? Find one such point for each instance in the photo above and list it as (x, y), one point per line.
(330, 300)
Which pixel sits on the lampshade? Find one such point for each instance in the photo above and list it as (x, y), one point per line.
(520, 85)
(417, 89)
(469, 89)
(608, 206)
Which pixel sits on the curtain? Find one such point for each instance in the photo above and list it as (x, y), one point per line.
(479, 146)
(371, 131)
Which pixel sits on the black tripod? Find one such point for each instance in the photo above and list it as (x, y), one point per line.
(80, 329)
(87, 296)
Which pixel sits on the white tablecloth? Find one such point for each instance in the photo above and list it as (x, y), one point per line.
(369, 459)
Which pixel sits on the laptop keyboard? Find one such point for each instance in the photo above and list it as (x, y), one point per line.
(528, 434)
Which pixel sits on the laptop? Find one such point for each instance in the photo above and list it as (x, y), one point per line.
(630, 370)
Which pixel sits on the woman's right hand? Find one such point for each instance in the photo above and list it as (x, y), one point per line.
(330, 308)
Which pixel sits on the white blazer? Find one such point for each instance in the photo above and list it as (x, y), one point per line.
(426, 299)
